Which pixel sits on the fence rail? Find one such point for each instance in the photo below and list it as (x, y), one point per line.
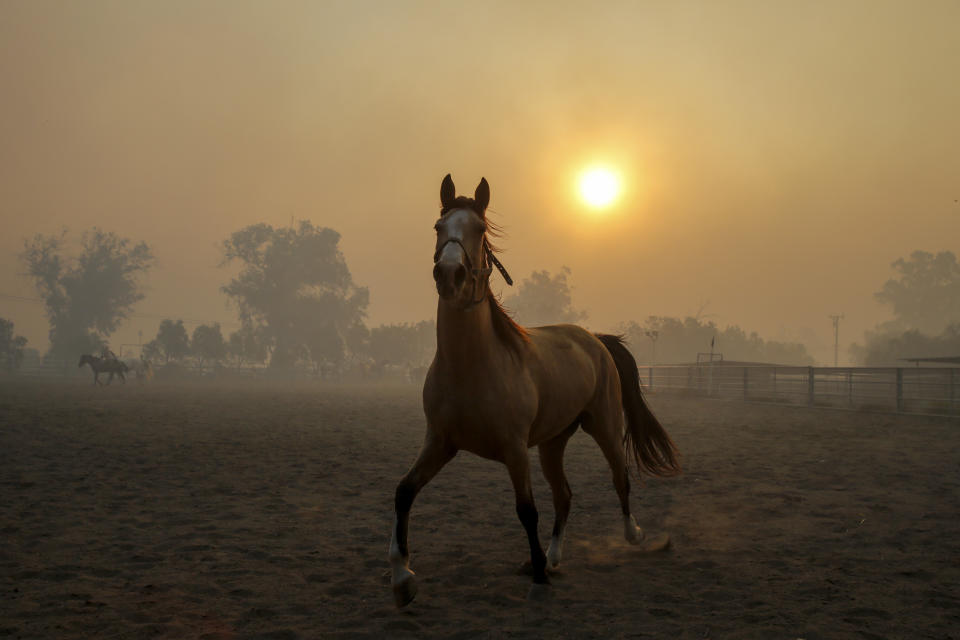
(933, 390)
(925, 390)
(64, 370)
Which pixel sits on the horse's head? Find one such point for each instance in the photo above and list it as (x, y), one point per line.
(460, 266)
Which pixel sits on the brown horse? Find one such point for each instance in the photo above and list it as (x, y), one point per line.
(104, 365)
(496, 389)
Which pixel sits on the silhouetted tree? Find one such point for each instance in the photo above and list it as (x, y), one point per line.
(247, 345)
(86, 297)
(544, 299)
(11, 346)
(207, 344)
(171, 343)
(681, 340)
(402, 344)
(888, 348)
(294, 285)
(926, 293)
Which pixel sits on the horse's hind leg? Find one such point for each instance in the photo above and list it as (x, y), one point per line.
(607, 430)
(434, 455)
(551, 462)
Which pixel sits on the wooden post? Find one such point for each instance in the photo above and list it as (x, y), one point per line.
(746, 382)
(850, 388)
(810, 386)
(899, 389)
(952, 408)
(774, 383)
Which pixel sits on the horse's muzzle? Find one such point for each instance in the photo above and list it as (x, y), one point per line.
(449, 277)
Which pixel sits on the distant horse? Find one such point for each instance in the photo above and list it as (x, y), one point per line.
(104, 365)
(496, 389)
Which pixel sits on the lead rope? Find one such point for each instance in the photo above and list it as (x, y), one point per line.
(496, 263)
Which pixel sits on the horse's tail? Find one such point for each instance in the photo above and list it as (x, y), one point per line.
(653, 450)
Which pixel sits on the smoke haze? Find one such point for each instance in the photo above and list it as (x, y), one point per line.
(776, 157)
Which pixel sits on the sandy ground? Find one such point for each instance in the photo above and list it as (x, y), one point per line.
(265, 512)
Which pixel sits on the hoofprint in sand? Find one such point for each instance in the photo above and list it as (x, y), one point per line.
(205, 511)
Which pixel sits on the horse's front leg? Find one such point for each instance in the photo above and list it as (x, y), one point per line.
(433, 456)
(518, 464)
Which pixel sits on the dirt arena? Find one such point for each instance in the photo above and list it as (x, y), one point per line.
(265, 512)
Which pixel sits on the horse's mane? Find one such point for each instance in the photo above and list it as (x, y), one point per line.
(504, 326)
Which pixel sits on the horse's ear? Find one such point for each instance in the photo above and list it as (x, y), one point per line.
(448, 192)
(482, 195)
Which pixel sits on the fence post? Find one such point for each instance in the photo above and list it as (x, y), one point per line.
(899, 389)
(952, 408)
(810, 386)
(850, 388)
(650, 379)
(774, 384)
(745, 383)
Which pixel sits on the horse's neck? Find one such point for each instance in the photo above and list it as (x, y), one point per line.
(465, 338)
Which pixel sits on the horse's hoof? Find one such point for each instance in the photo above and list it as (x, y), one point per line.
(539, 592)
(659, 542)
(405, 590)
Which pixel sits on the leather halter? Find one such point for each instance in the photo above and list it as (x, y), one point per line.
(477, 275)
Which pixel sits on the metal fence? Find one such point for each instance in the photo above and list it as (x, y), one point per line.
(924, 390)
(64, 370)
(46, 369)
(932, 391)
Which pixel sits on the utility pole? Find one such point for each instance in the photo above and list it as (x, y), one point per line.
(653, 335)
(836, 335)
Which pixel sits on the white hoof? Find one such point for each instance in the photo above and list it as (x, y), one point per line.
(555, 552)
(631, 531)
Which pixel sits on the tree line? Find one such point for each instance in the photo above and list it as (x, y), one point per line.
(924, 298)
(299, 307)
(296, 301)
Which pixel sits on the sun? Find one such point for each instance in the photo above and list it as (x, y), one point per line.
(599, 187)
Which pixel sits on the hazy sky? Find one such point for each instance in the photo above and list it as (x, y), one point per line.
(776, 156)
